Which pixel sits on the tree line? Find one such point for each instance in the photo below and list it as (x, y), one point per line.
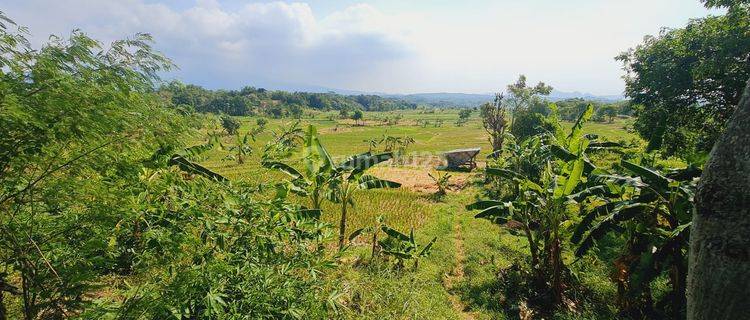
(250, 101)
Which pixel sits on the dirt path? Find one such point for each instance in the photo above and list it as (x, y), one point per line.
(457, 274)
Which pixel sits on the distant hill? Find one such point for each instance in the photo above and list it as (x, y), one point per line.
(445, 99)
(560, 95)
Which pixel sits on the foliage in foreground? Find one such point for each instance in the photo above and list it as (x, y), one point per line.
(204, 249)
(96, 223)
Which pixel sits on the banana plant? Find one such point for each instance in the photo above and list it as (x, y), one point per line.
(568, 147)
(541, 211)
(318, 172)
(442, 181)
(241, 147)
(374, 229)
(654, 211)
(348, 177)
(404, 247)
(283, 142)
(544, 198)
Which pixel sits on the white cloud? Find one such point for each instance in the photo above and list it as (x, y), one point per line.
(472, 46)
(276, 42)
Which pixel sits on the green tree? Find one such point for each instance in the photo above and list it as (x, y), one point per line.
(689, 80)
(77, 122)
(522, 97)
(463, 117)
(607, 111)
(357, 116)
(725, 3)
(528, 124)
(296, 111)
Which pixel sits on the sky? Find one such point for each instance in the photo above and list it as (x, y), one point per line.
(468, 46)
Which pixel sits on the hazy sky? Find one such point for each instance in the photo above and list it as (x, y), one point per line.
(385, 46)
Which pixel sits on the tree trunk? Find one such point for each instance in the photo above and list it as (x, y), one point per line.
(718, 284)
(3, 312)
(557, 288)
(535, 266)
(342, 223)
(374, 244)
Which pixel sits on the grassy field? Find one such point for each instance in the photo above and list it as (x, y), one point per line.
(459, 279)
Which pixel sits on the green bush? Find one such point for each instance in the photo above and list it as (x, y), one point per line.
(528, 123)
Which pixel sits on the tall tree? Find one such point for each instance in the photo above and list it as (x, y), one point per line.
(689, 80)
(719, 268)
(522, 96)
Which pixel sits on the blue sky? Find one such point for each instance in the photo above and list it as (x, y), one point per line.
(381, 46)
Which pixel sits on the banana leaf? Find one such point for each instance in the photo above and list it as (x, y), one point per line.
(566, 155)
(484, 204)
(367, 162)
(283, 167)
(504, 173)
(501, 212)
(356, 233)
(619, 214)
(426, 250)
(194, 168)
(574, 177)
(310, 214)
(589, 218)
(653, 178)
(394, 233)
(375, 183)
